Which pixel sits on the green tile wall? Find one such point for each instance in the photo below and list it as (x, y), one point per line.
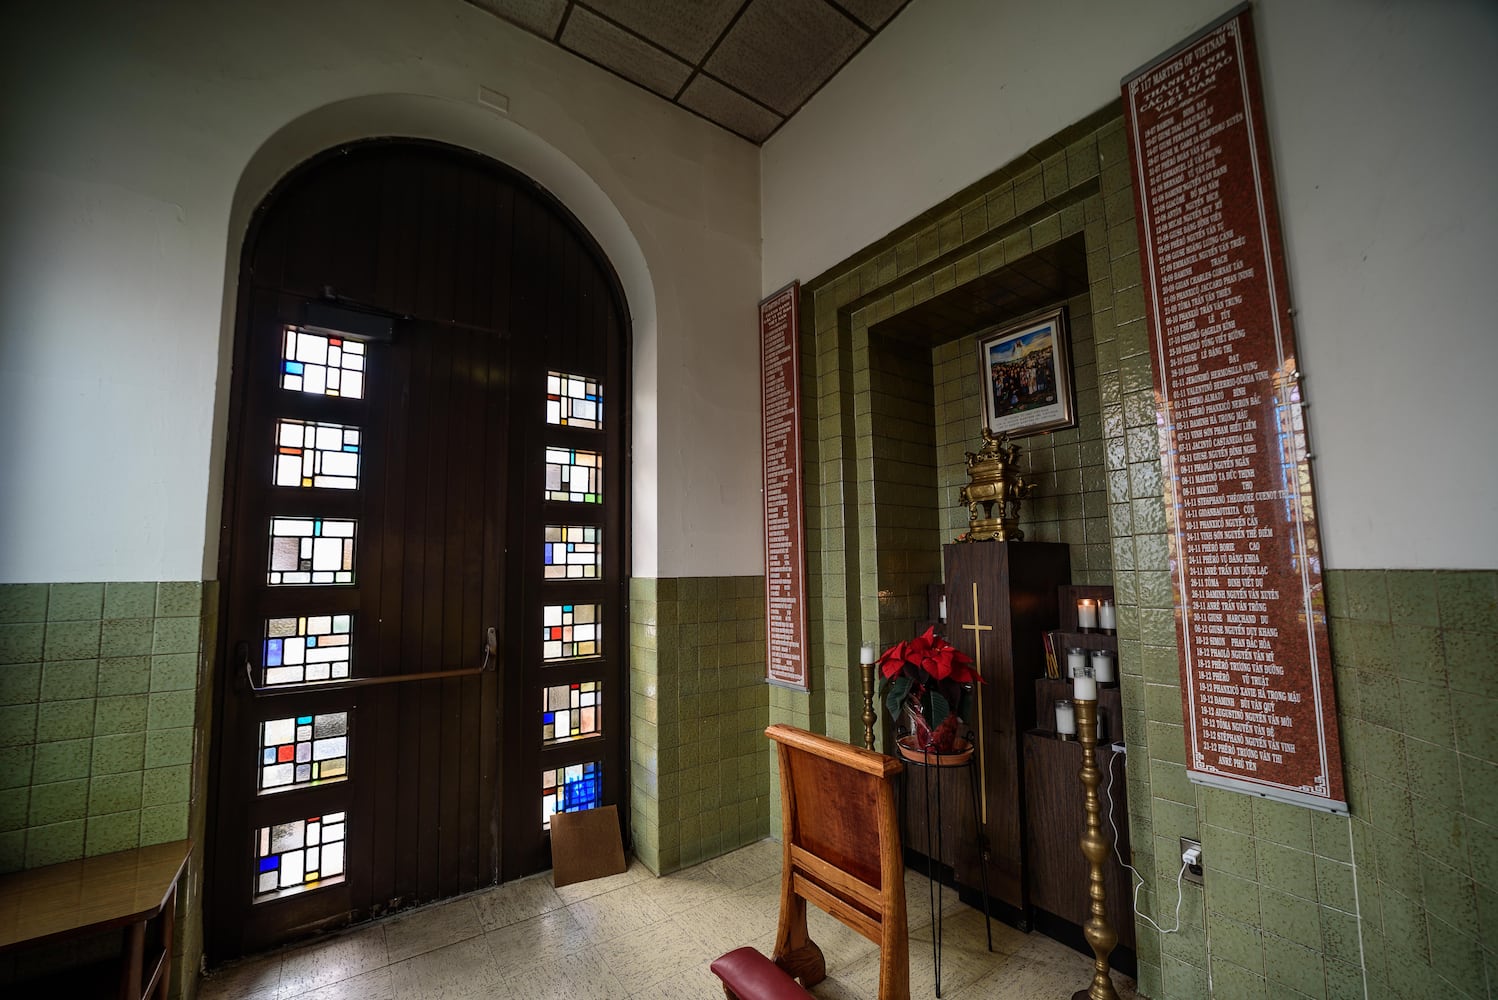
(700, 763)
(1398, 900)
(1070, 499)
(886, 421)
(100, 709)
(98, 699)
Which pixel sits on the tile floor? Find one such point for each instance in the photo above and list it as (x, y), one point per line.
(634, 935)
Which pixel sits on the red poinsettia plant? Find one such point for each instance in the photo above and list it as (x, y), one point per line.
(933, 680)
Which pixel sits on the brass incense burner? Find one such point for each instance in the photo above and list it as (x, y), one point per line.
(996, 487)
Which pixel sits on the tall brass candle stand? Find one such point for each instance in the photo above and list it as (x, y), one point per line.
(868, 705)
(1099, 933)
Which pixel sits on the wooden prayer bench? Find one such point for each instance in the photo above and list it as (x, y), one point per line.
(840, 832)
(127, 890)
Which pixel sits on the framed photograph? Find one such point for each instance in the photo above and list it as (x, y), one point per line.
(1025, 372)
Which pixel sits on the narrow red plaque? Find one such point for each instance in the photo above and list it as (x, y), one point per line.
(1256, 677)
(785, 530)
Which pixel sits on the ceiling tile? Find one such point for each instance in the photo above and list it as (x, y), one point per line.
(540, 16)
(716, 102)
(592, 37)
(781, 51)
(686, 27)
(873, 13)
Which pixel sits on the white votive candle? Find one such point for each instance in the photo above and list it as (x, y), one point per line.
(1084, 688)
(1107, 616)
(1066, 718)
(1102, 666)
(1076, 662)
(943, 608)
(1087, 613)
(866, 654)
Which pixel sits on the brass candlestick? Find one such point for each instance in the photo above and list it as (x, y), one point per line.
(1100, 934)
(868, 705)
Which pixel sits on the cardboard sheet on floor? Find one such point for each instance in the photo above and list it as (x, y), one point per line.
(585, 845)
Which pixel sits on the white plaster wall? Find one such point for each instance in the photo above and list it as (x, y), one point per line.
(125, 142)
(1384, 150)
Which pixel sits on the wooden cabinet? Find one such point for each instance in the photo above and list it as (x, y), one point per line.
(1001, 598)
(1056, 871)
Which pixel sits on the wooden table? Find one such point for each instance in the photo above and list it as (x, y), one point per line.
(127, 889)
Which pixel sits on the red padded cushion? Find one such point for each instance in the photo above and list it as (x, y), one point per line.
(752, 976)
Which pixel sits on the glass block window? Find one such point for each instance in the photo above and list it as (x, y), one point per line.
(316, 454)
(574, 475)
(300, 855)
(308, 649)
(303, 750)
(573, 401)
(573, 552)
(571, 711)
(325, 366)
(572, 631)
(310, 550)
(568, 789)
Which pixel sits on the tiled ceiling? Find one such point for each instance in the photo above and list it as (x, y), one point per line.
(746, 65)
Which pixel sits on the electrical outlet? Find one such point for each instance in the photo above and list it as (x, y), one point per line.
(1193, 873)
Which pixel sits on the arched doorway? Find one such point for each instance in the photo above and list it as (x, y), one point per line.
(427, 441)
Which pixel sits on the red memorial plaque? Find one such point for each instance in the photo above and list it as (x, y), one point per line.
(1256, 675)
(785, 531)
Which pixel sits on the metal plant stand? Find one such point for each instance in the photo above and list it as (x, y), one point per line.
(934, 766)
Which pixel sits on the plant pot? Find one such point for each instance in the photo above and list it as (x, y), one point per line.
(909, 749)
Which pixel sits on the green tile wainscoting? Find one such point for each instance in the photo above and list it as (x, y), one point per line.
(700, 763)
(1400, 899)
(102, 709)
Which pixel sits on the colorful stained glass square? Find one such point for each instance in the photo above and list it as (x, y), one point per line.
(574, 475)
(303, 750)
(569, 789)
(311, 550)
(323, 366)
(317, 455)
(308, 649)
(573, 552)
(572, 631)
(298, 855)
(573, 401)
(571, 711)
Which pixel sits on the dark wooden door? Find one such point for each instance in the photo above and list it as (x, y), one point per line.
(422, 615)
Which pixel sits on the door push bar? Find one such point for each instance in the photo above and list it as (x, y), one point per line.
(491, 655)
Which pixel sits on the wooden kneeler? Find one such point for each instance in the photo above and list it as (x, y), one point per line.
(841, 837)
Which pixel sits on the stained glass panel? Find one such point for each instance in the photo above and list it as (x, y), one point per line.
(310, 550)
(303, 750)
(569, 789)
(299, 855)
(574, 475)
(572, 631)
(308, 649)
(573, 552)
(315, 454)
(325, 366)
(571, 711)
(573, 401)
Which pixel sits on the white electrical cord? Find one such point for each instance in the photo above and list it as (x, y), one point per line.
(1180, 876)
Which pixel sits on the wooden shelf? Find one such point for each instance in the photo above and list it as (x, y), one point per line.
(1055, 813)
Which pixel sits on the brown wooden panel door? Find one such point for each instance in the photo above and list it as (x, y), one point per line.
(388, 502)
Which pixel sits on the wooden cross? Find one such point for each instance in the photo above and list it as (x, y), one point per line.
(978, 629)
